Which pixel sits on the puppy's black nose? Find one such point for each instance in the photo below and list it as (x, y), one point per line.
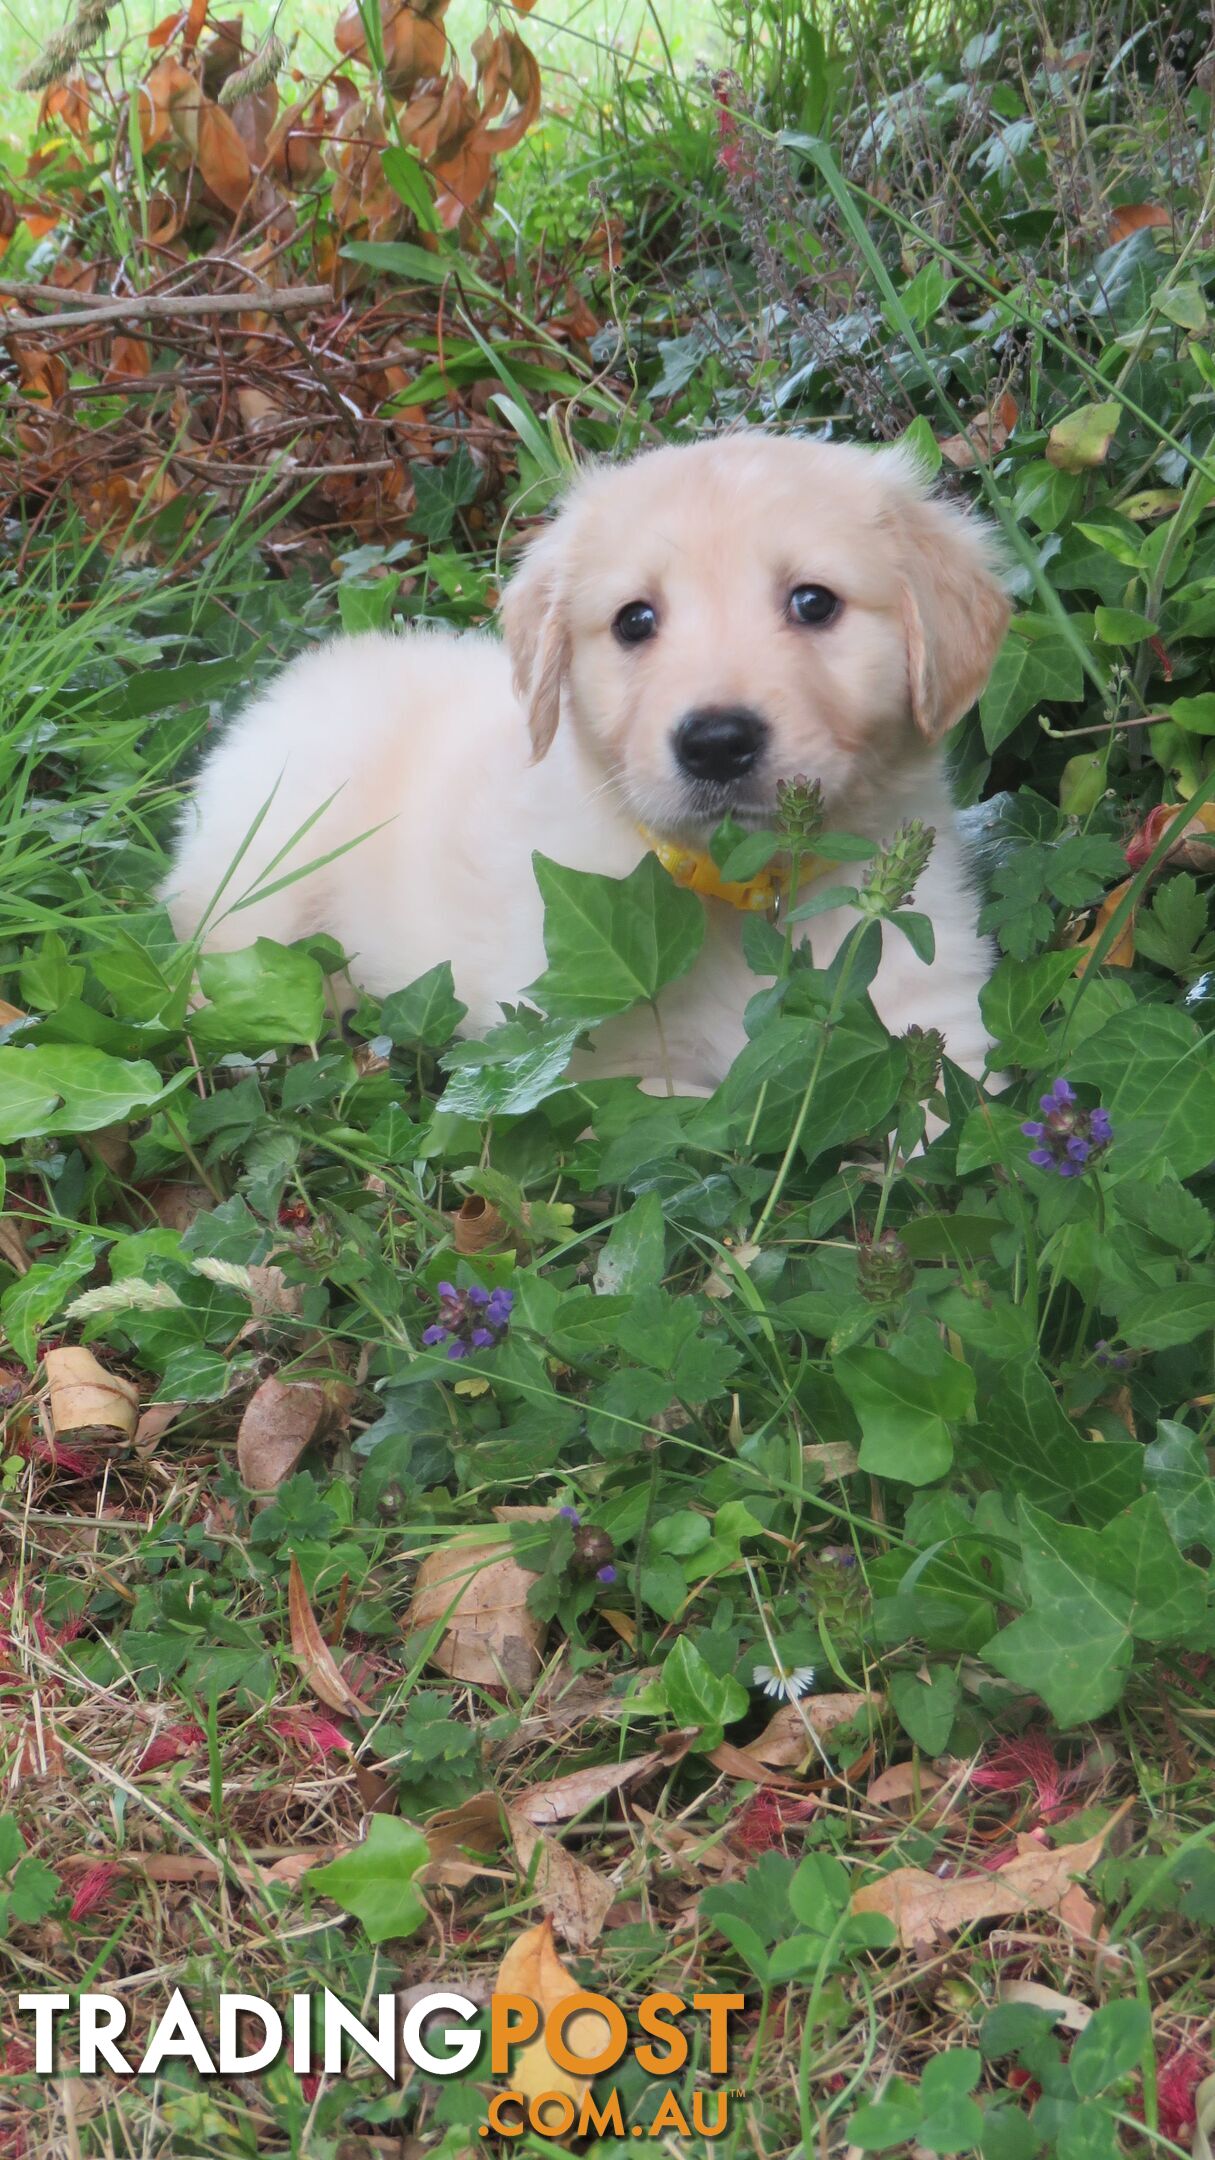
(720, 742)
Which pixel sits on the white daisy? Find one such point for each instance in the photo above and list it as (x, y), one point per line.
(786, 1682)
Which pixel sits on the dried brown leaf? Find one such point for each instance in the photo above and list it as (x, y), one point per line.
(741, 1762)
(316, 1660)
(560, 1798)
(477, 1227)
(86, 1398)
(572, 1895)
(923, 1908)
(1063, 2008)
(280, 1419)
(1136, 217)
(984, 436)
(475, 1586)
(903, 1782)
(223, 159)
(785, 1740)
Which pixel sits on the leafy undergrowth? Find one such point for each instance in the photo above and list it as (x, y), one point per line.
(767, 1539)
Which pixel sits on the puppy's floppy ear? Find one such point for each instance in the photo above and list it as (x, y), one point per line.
(537, 633)
(955, 610)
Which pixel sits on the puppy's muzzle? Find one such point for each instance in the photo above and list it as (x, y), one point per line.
(719, 743)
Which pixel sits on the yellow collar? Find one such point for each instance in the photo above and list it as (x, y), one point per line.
(759, 895)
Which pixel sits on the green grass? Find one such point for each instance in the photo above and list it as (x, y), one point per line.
(929, 1424)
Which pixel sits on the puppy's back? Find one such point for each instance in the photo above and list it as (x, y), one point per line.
(359, 720)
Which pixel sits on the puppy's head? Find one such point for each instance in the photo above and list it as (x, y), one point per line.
(719, 617)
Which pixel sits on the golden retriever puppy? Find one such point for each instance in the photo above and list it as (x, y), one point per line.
(690, 628)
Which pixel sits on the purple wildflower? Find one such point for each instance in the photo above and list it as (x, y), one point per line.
(571, 1515)
(469, 1320)
(1112, 1360)
(605, 1575)
(1067, 1137)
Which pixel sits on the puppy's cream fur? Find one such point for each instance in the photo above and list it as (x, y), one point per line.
(426, 737)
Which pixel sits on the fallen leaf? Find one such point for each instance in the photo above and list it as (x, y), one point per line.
(1083, 439)
(740, 1762)
(280, 1419)
(154, 1422)
(902, 1782)
(86, 1398)
(478, 1227)
(475, 1587)
(316, 1660)
(689, 1850)
(1063, 2008)
(476, 1825)
(838, 1459)
(563, 1797)
(531, 1967)
(785, 1740)
(924, 1907)
(984, 436)
(12, 1246)
(623, 1623)
(1204, 2120)
(129, 359)
(573, 1896)
(1131, 218)
(1122, 952)
(175, 1205)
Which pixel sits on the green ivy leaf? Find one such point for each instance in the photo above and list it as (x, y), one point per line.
(1176, 1469)
(926, 1710)
(518, 1066)
(1036, 664)
(1157, 1076)
(612, 943)
(69, 1088)
(1013, 1001)
(1122, 626)
(265, 997)
(905, 1411)
(426, 1015)
(375, 1881)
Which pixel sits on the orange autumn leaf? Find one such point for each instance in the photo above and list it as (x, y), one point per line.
(984, 436)
(1131, 218)
(129, 358)
(1122, 952)
(166, 28)
(196, 16)
(168, 105)
(316, 1660)
(532, 1968)
(223, 159)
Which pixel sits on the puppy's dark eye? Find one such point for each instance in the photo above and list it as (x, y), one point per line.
(635, 623)
(813, 605)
